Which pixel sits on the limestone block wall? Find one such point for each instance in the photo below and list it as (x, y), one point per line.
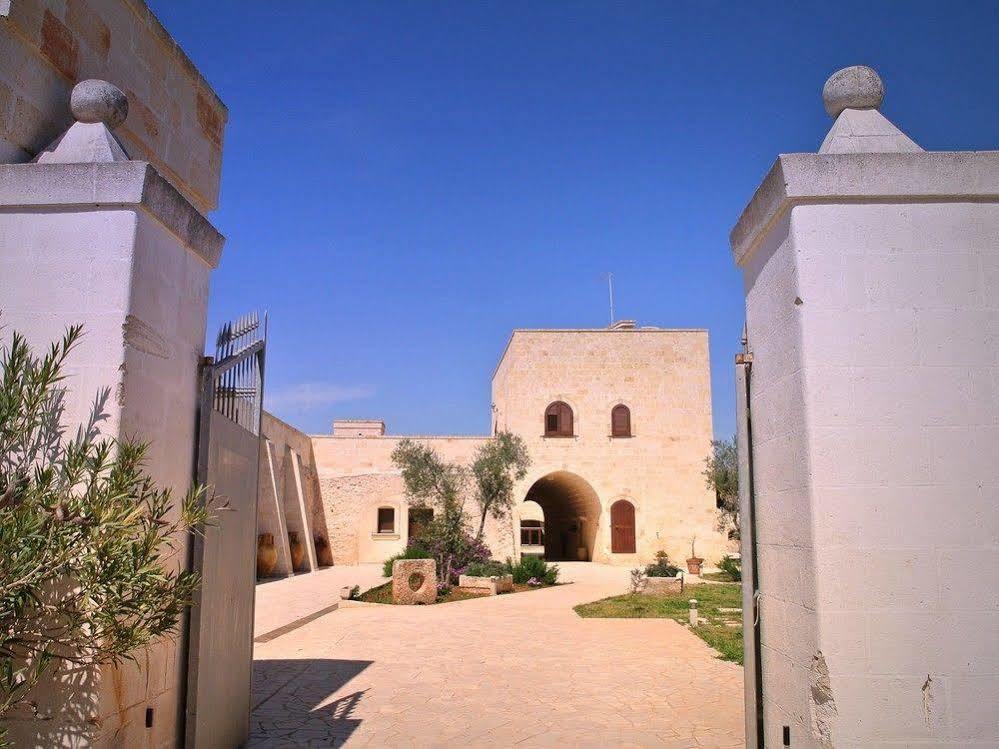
(175, 120)
(356, 477)
(663, 377)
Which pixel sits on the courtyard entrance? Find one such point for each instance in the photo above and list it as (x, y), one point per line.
(500, 671)
(571, 515)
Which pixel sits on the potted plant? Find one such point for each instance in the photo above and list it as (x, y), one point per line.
(695, 562)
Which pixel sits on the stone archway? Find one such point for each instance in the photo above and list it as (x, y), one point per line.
(571, 515)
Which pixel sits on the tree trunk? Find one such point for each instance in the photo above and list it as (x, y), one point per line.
(482, 526)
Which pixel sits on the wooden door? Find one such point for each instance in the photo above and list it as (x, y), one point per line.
(622, 527)
(419, 519)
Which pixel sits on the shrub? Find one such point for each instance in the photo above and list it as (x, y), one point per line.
(639, 580)
(732, 566)
(662, 567)
(454, 553)
(488, 568)
(88, 543)
(413, 551)
(533, 567)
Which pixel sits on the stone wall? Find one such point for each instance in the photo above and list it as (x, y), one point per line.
(175, 120)
(356, 477)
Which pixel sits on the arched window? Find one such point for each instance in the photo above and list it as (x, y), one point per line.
(386, 520)
(620, 421)
(622, 527)
(558, 420)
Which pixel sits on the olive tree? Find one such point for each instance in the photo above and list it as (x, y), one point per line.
(721, 473)
(86, 537)
(498, 465)
(429, 479)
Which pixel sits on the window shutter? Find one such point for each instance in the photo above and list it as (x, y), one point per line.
(620, 421)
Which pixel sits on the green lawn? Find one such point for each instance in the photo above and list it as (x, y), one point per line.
(727, 640)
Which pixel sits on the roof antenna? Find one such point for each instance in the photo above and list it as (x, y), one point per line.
(610, 291)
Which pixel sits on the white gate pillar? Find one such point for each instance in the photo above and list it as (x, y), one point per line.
(88, 236)
(872, 277)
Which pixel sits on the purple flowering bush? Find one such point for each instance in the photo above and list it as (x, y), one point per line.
(452, 553)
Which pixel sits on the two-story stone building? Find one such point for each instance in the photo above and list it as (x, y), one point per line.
(617, 422)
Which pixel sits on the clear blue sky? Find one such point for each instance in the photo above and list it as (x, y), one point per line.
(404, 183)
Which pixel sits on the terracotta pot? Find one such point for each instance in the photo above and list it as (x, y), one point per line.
(694, 565)
(297, 551)
(324, 554)
(266, 555)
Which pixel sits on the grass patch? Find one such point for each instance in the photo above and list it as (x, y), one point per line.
(383, 593)
(718, 577)
(725, 639)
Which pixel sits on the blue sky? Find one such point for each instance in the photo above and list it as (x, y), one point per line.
(404, 183)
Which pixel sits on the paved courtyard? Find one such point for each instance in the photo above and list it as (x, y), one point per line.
(512, 670)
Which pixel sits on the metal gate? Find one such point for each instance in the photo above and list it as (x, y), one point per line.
(753, 676)
(220, 646)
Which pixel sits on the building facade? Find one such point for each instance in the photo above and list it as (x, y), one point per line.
(617, 422)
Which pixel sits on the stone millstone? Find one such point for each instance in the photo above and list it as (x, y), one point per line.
(414, 581)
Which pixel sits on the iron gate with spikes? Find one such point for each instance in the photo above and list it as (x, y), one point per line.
(220, 644)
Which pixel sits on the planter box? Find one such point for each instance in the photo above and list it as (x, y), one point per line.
(495, 584)
(659, 586)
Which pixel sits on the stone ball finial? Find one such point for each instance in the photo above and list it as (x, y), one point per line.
(98, 101)
(855, 87)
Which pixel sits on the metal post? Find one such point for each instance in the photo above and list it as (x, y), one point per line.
(750, 576)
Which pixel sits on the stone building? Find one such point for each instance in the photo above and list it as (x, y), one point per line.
(617, 422)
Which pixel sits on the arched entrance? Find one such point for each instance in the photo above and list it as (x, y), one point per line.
(571, 515)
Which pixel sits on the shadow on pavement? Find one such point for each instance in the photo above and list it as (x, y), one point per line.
(292, 707)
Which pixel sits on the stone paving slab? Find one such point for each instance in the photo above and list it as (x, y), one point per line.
(516, 670)
(283, 601)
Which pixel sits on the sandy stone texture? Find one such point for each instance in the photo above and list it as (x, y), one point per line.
(414, 581)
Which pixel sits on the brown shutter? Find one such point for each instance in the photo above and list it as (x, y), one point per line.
(620, 421)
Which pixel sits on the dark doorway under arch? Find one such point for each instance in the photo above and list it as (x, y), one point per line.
(572, 515)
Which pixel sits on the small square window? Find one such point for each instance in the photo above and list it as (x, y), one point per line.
(386, 520)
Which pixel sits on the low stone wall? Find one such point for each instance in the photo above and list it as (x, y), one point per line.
(659, 586)
(494, 584)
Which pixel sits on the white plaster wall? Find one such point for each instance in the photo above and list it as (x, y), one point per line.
(875, 403)
(901, 346)
(783, 508)
(141, 297)
(70, 267)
